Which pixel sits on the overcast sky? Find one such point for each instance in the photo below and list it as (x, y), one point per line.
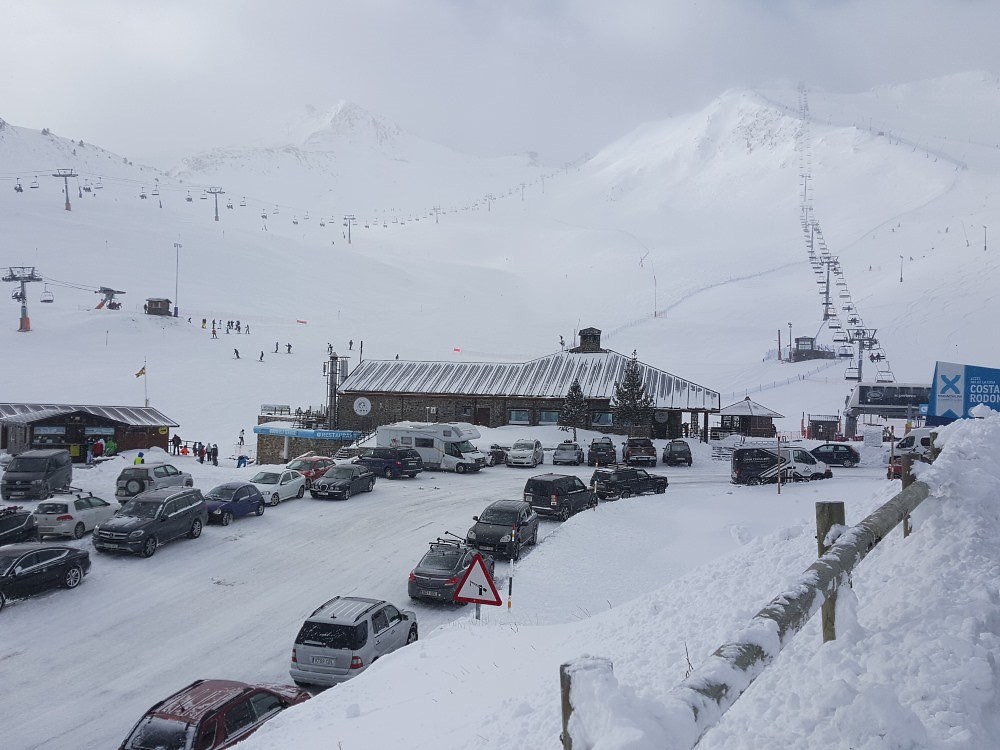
(156, 81)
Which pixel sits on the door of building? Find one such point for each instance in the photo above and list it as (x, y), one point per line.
(483, 416)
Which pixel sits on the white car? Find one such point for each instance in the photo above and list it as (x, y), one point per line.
(72, 517)
(279, 485)
(526, 453)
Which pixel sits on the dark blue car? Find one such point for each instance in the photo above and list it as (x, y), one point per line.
(233, 500)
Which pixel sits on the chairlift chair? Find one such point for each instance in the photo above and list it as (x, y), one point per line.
(852, 372)
(845, 351)
(142, 193)
(833, 324)
(99, 185)
(229, 203)
(275, 211)
(156, 190)
(47, 296)
(840, 337)
(295, 220)
(17, 186)
(243, 202)
(263, 214)
(204, 196)
(34, 183)
(845, 294)
(322, 223)
(306, 217)
(189, 198)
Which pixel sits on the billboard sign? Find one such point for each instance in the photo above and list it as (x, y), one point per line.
(957, 388)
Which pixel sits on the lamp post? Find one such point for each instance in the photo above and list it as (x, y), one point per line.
(984, 238)
(900, 269)
(790, 352)
(177, 273)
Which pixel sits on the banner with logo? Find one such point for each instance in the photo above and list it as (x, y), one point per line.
(957, 388)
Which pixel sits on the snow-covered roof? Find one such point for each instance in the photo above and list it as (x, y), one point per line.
(135, 416)
(748, 408)
(546, 377)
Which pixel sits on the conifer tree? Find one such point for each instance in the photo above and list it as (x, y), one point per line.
(631, 405)
(574, 409)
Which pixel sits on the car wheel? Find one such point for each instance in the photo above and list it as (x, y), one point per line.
(564, 515)
(275, 499)
(3, 601)
(301, 684)
(313, 494)
(515, 553)
(661, 489)
(189, 482)
(411, 637)
(689, 462)
(371, 484)
(387, 473)
(227, 518)
(78, 530)
(347, 494)
(72, 577)
(848, 464)
(260, 509)
(195, 529)
(460, 468)
(753, 481)
(625, 494)
(149, 547)
(301, 492)
(133, 486)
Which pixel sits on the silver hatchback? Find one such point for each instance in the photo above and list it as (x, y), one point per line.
(345, 635)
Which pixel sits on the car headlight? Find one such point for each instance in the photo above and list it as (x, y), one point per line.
(36, 481)
(506, 538)
(471, 534)
(136, 534)
(217, 512)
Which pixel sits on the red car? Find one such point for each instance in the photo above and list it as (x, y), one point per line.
(312, 467)
(210, 714)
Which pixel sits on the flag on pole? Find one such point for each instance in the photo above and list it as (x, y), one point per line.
(141, 372)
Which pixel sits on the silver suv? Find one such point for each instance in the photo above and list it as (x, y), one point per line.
(144, 477)
(345, 635)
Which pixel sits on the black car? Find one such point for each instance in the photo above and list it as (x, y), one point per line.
(343, 481)
(559, 495)
(677, 452)
(496, 455)
(17, 525)
(504, 528)
(625, 481)
(28, 568)
(151, 519)
(393, 462)
(441, 569)
(602, 452)
(836, 454)
(36, 474)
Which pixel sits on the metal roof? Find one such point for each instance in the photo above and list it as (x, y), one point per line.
(546, 377)
(134, 416)
(748, 408)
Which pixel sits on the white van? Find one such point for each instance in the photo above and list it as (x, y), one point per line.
(917, 442)
(444, 446)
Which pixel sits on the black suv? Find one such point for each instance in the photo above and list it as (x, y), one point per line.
(441, 569)
(152, 518)
(677, 452)
(625, 481)
(836, 454)
(17, 525)
(496, 525)
(35, 475)
(392, 463)
(559, 495)
(602, 452)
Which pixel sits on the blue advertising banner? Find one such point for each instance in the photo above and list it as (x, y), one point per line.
(266, 429)
(958, 388)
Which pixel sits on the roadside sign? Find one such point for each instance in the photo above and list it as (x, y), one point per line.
(477, 585)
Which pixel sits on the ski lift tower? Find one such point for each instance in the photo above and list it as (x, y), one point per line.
(866, 341)
(65, 174)
(109, 297)
(216, 192)
(22, 275)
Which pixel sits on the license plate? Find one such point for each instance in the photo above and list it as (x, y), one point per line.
(435, 594)
(325, 661)
(486, 546)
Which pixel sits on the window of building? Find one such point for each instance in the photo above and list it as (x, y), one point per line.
(518, 416)
(548, 417)
(601, 419)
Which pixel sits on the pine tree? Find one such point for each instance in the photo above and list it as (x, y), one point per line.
(574, 410)
(631, 405)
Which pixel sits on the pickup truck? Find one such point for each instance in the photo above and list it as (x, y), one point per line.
(625, 481)
(639, 451)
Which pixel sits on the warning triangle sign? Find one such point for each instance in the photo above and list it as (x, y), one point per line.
(477, 585)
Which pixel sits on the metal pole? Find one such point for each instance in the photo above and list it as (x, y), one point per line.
(900, 269)
(177, 273)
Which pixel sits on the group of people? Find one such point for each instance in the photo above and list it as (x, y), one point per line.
(201, 451)
(100, 447)
(231, 325)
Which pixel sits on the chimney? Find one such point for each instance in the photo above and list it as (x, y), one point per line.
(590, 341)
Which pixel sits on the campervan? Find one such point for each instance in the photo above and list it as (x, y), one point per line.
(444, 446)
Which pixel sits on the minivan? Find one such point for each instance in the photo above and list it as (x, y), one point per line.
(37, 474)
(759, 465)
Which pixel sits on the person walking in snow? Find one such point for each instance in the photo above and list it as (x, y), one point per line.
(262, 355)
(214, 334)
(237, 353)
(215, 454)
(246, 329)
(289, 350)
(275, 347)
(241, 437)
(176, 442)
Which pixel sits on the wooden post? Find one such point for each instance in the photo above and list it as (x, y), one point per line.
(828, 515)
(908, 479)
(593, 668)
(567, 706)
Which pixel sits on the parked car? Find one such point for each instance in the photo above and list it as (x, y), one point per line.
(72, 516)
(602, 452)
(761, 465)
(441, 570)
(504, 528)
(916, 442)
(210, 714)
(343, 481)
(29, 568)
(568, 452)
(342, 638)
(837, 454)
(676, 452)
(279, 485)
(311, 467)
(559, 495)
(17, 525)
(151, 519)
(37, 474)
(496, 455)
(639, 451)
(525, 452)
(610, 482)
(152, 476)
(392, 463)
(233, 500)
